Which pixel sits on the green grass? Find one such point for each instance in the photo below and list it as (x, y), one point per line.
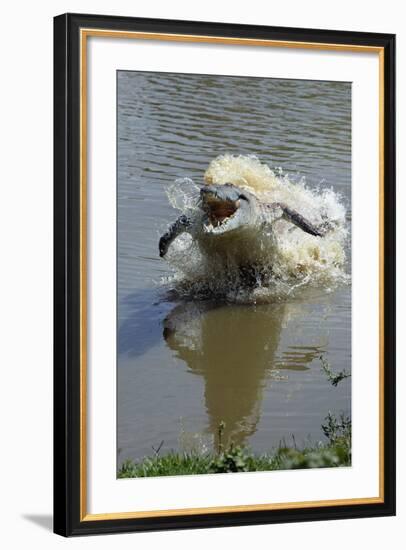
(336, 452)
(334, 377)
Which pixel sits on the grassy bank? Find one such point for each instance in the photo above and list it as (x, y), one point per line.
(334, 453)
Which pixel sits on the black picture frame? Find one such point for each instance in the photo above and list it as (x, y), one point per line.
(68, 519)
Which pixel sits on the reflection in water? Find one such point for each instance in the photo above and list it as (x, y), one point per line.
(141, 329)
(234, 349)
(183, 367)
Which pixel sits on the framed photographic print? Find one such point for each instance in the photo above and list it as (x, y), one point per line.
(224, 274)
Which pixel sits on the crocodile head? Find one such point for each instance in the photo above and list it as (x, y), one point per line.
(226, 208)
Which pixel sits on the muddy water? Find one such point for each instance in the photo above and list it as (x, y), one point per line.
(183, 367)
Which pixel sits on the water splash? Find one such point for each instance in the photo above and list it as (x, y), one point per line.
(292, 259)
(183, 195)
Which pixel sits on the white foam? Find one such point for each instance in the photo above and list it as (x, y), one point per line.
(295, 258)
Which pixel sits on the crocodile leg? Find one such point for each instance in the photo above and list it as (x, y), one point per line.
(294, 217)
(181, 225)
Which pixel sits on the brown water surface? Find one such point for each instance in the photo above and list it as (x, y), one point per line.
(183, 367)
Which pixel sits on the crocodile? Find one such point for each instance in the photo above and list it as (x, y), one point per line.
(235, 232)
